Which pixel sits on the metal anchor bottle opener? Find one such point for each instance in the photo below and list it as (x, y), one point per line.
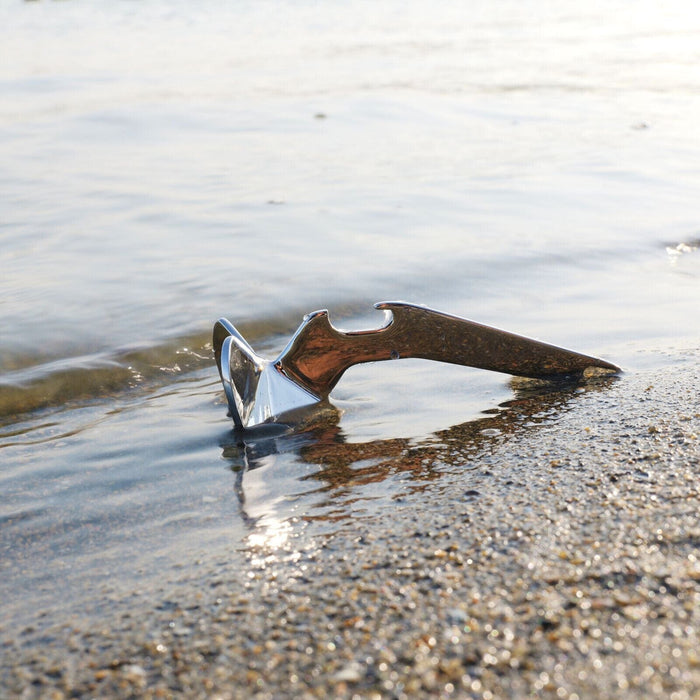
(260, 391)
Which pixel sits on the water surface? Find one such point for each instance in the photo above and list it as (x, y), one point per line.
(166, 163)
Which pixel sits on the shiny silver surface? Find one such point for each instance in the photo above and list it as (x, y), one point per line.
(259, 391)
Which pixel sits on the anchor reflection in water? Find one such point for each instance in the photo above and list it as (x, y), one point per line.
(273, 464)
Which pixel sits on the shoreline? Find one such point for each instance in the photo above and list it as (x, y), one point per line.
(564, 561)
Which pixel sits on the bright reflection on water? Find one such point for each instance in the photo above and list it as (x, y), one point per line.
(270, 534)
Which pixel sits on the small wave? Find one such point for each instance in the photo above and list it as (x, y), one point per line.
(94, 377)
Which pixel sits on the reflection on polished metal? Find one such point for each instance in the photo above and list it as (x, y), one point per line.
(259, 391)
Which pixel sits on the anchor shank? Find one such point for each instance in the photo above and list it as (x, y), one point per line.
(318, 354)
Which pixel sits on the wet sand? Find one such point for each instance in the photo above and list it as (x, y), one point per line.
(559, 561)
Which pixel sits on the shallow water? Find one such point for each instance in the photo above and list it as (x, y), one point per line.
(166, 163)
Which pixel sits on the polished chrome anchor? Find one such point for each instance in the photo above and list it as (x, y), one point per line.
(259, 391)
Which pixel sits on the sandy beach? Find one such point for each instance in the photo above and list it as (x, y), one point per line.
(559, 559)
